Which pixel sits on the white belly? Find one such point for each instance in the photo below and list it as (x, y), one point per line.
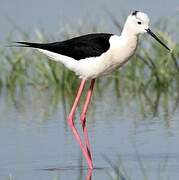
(98, 66)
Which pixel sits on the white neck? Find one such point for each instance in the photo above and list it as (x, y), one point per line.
(128, 33)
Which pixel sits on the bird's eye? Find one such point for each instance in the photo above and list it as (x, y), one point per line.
(139, 22)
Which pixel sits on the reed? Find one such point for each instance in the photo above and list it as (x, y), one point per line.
(152, 68)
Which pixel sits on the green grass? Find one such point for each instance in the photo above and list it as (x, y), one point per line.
(152, 68)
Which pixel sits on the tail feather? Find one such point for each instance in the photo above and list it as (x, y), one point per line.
(47, 49)
(29, 44)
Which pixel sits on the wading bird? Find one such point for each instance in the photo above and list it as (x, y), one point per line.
(93, 55)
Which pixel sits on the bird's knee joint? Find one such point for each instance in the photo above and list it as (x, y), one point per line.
(70, 120)
(83, 117)
(83, 120)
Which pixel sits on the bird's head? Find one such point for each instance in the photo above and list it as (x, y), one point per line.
(138, 23)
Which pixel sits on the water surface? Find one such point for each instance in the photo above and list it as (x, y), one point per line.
(127, 132)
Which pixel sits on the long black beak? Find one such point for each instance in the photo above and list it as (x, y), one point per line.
(155, 37)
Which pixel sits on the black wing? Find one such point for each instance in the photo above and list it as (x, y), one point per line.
(90, 45)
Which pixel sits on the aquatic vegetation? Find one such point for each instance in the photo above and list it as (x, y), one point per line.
(119, 171)
(151, 68)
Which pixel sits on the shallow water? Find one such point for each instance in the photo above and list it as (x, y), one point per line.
(36, 142)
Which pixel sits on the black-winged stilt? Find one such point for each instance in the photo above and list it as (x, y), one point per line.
(94, 55)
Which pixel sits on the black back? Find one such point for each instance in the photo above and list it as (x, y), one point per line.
(90, 45)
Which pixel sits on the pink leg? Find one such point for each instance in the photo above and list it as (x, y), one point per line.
(83, 117)
(71, 124)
